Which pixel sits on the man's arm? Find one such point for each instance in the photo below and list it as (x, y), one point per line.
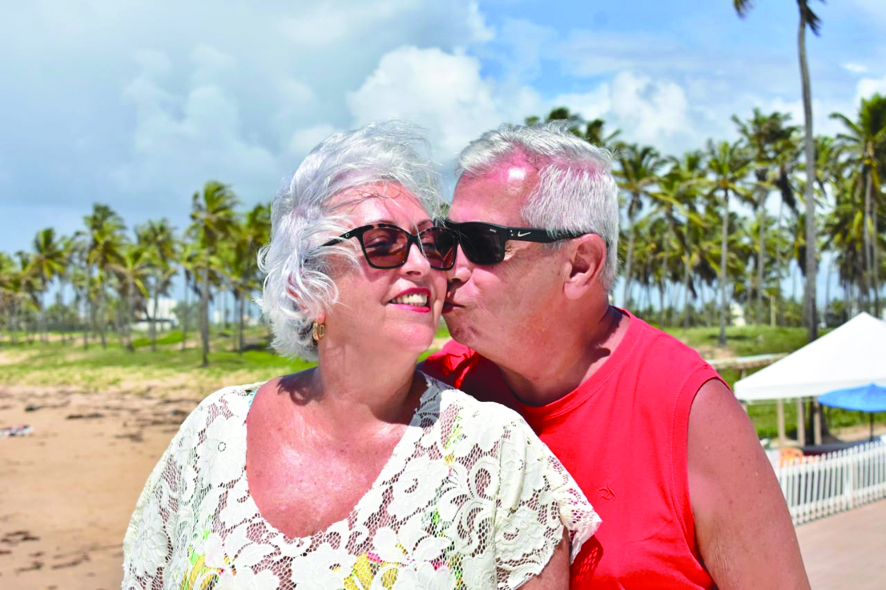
(742, 523)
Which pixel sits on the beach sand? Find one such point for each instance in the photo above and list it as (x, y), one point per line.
(67, 489)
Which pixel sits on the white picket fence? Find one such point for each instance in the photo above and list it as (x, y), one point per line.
(817, 486)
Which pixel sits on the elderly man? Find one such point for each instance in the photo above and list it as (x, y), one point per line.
(649, 430)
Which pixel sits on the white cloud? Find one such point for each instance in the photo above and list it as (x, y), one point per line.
(210, 64)
(304, 140)
(592, 53)
(590, 105)
(855, 68)
(181, 141)
(325, 25)
(525, 43)
(867, 87)
(649, 110)
(441, 91)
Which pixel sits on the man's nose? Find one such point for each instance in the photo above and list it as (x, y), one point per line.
(460, 272)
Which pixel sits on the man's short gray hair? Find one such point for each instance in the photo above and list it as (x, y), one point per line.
(297, 286)
(576, 189)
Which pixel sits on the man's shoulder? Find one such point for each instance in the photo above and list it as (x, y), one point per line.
(657, 345)
(449, 364)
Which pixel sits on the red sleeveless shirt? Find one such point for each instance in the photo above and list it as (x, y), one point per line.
(622, 434)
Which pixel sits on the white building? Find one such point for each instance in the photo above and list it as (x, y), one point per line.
(164, 315)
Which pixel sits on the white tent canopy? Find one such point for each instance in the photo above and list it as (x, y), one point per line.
(853, 354)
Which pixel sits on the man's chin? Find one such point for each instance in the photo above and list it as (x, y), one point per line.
(458, 329)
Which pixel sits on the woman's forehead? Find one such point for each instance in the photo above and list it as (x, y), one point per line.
(376, 203)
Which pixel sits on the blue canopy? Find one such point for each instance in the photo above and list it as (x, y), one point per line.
(867, 398)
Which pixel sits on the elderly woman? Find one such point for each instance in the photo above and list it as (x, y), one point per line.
(361, 472)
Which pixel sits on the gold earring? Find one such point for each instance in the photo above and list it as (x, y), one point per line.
(318, 332)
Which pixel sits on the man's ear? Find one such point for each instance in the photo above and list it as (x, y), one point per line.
(587, 259)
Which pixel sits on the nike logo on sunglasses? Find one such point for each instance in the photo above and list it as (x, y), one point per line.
(484, 243)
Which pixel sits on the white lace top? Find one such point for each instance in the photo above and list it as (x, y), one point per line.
(470, 498)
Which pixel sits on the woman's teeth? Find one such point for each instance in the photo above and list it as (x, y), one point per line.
(414, 299)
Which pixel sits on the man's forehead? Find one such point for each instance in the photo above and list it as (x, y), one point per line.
(497, 195)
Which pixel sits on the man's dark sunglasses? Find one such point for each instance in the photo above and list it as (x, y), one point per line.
(484, 243)
(387, 246)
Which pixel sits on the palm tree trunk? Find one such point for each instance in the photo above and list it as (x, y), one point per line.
(827, 290)
(185, 312)
(13, 322)
(61, 310)
(761, 257)
(723, 255)
(870, 239)
(101, 314)
(876, 255)
(223, 302)
(204, 315)
(153, 317)
(778, 264)
(629, 261)
(242, 312)
(686, 289)
(130, 316)
(809, 307)
(87, 314)
(43, 336)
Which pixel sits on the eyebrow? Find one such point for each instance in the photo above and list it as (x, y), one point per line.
(420, 225)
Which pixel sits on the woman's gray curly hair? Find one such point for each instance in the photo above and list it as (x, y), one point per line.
(297, 286)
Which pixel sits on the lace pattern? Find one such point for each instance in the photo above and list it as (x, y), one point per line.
(470, 498)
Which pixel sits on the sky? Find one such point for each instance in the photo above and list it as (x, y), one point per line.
(136, 103)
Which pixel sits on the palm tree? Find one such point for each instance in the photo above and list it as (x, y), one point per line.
(638, 173)
(80, 281)
(243, 274)
(213, 219)
(105, 241)
(728, 164)
(675, 201)
(22, 288)
(158, 240)
(595, 135)
(46, 262)
(769, 138)
(68, 244)
(845, 233)
(9, 292)
(189, 261)
(807, 19)
(132, 270)
(865, 144)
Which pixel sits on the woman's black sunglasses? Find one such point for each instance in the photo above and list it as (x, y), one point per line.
(484, 243)
(387, 246)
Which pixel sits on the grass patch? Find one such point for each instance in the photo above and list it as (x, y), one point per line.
(743, 340)
(173, 337)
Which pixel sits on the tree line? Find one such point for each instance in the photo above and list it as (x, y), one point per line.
(105, 278)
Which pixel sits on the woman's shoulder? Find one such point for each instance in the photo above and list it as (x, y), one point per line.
(228, 402)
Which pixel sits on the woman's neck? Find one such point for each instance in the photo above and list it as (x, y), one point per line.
(368, 392)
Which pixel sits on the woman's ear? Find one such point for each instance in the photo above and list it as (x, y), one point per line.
(587, 259)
